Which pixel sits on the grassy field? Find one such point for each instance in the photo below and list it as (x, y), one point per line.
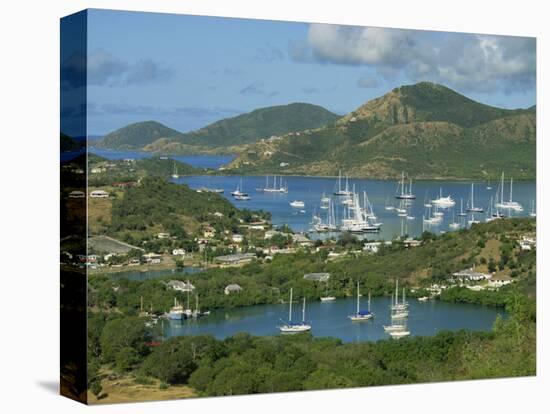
(123, 389)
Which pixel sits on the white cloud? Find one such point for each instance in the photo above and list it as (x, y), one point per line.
(468, 62)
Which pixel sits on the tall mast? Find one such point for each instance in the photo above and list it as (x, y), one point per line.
(511, 185)
(304, 310)
(402, 182)
(290, 307)
(502, 188)
(397, 291)
(369, 301)
(357, 298)
(411, 186)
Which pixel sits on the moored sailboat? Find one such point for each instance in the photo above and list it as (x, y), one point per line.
(361, 315)
(295, 327)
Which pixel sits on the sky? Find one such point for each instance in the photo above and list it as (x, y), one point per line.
(189, 71)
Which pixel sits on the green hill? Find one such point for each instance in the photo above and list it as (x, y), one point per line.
(135, 136)
(242, 129)
(426, 129)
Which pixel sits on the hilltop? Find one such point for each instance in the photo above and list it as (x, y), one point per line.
(242, 129)
(426, 129)
(135, 136)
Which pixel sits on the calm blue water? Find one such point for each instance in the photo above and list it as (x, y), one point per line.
(310, 190)
(140, 276)
(200, 161)
(330, 319)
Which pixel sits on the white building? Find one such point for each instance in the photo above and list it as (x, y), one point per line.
(232, 288)
(178, 252)
(237, 238)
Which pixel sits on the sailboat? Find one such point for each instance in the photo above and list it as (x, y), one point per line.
(176, 312)
(275, 189)
(295, 327)
(398, 324)
(399, 310)
(340, 191)
(489, 185)
(400, 333)
(389, 207)
(327, 298)
(361, 315)
(472, 208)
(325, 202)
(239, 191)
(472, 220)
(462, 213)
(404, 195)
(454, 225)
(510, 204)
(427, 202)
(175, 172)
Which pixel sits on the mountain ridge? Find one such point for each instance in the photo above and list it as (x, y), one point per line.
(426, 129)
(238, 130)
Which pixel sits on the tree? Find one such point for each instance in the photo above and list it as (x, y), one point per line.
(129, 332)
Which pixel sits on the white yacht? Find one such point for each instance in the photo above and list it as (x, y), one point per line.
(297, 204)
(443, 202)
(510, 204)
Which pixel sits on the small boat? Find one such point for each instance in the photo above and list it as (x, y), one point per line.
(175, 173)
(488, 187)
(454, 225)
(423, 298)
(472, 208)
(327, 298)
(399, 334)
(389, 207)
(394, 328)
(242, 197)
(295, 327)
(361, 315)
(297, 204)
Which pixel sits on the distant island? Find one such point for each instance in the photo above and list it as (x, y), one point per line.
(426, 129)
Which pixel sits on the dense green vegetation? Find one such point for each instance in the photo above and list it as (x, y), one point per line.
(156, 205)
(241, 129)
(243, 364)
(120, 171)
(265, 281)
(425, 129)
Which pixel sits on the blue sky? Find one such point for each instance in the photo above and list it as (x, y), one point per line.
(188, 71)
